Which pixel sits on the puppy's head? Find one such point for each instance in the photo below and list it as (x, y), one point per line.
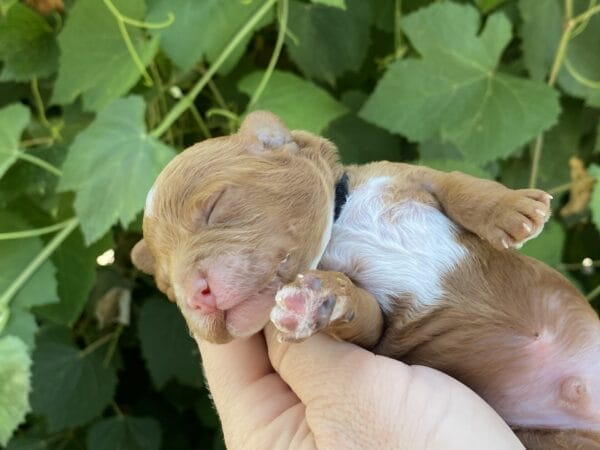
(231, 219)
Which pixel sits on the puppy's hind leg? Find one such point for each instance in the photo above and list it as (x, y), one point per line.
(504, 217)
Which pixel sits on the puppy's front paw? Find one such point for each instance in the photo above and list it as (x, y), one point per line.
(308, 305)
(520, 216)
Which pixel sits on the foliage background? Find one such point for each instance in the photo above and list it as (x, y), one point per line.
(96, 96)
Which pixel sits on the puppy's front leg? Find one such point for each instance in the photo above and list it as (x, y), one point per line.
(330, 302)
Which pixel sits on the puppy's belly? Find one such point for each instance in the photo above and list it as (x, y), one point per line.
(393, 248)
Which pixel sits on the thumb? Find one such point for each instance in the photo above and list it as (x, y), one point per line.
(324, 368)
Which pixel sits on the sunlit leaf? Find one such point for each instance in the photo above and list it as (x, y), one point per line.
(300, 103)
(469, 103)
(15, 385)
(111, 167)
(94, 59)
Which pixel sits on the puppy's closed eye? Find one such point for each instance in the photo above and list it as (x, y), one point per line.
(211, 212)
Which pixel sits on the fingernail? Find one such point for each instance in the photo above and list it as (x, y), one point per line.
(505, 244)
(527, 227)
(540, 213)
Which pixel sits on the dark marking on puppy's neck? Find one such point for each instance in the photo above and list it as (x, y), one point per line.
(341, 195)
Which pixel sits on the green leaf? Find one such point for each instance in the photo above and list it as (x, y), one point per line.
(580, 73)
(448, 165)
(540, 32)
(333, 3)
(76, 271)
(124, 433)
(13, 120)
(169, 351)
(14, 385)
(300, 103)
(27, 45)
(468, 103)
(360, 142)
(203, 29)
(487, 5)
(15, 255)
(111, 167)
(342, 38)
(594, 170)
(547, 246)
(21, 324)
(70, 387)
(94, 60)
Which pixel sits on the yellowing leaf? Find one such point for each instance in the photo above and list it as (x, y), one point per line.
(111, 167)
(455, 91)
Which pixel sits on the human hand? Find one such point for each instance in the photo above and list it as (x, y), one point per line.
(326, 394)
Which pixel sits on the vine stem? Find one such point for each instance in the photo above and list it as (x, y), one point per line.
(593, 293)
(96, 344)
(185, 102)
(39, 162)
(31, 233)
(556, 64)
(570, 23)
(39, 105)
(128, 43)
(8, 294)
(283, 20)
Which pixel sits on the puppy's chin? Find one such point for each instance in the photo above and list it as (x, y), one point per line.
(240, 321)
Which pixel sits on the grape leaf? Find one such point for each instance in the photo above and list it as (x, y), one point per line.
(594, 170)
(27, 45)
(75, 272)
(70, 387)
(333, 3)
(15, 385)
(342, 38)
(580, 72)
(169, 351)
(448, 165)
(21, 324)
(547, 246)
(487, 5)
(468, 103)
(111, 167)
(360, 142)
(13, 120)
(15, 255)
(94, 60)
(540, 32)
(203, 29)
(300, 103)
(124, 433)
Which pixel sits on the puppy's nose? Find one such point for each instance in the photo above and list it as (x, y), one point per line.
(202, 298)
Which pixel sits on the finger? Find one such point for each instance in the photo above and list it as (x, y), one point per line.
(321, 367)
(247, 393)
(230, 368)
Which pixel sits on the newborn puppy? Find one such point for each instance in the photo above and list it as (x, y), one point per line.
(410, 262)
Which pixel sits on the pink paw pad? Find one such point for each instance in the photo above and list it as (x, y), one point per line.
(302, 308)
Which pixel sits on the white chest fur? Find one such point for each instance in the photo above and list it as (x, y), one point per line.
(391, 249)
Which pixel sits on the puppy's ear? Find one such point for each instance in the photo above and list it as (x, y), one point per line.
(142, 258)
(265, 131)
